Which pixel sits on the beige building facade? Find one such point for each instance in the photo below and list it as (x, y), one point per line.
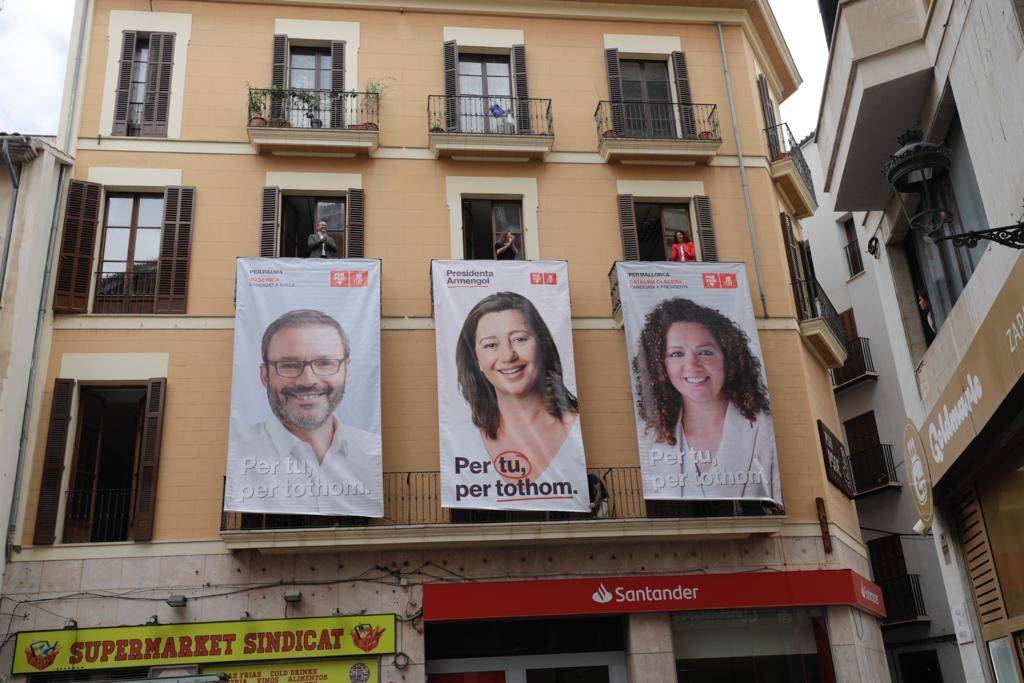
(207, 131)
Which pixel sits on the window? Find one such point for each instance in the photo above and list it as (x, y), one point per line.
(484, 221)
(800, 271)
(299, 217)
(647, 99)
(852, 248)
(129, 255)
(309, 82)
(485, 90)
(648, 228)
(656, 226)
(309, 69)
(143, 98)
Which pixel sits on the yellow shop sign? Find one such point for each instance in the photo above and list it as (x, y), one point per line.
(328, 670)
(221, 641)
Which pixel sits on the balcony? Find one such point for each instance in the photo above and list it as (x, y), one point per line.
(294, 122)
(819, 323)
(634, 132)
(790, 171)
(858, 366)
(904, 602)
(873, 469)
(478, 128)
(413, 516)
(97, 516)
(129, 293)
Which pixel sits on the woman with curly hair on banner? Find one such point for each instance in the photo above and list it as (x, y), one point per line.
(704, 407)
(510, 373)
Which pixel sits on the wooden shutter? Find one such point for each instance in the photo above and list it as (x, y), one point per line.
(124, 83)
(523, 123)
(53, 462)
(705, 228)
(354, 234)
(862, 432)
(74, 264)
(158, 85)
(627, 224)
(686, 115)
(451, 85)
(887, 560)
(149, 460)
(981, 568)
(175, 250)
(268, 222)
(338, 98)
(768, 111)
(794, 258)
(849, 325)
(278, 74)
(615, 91)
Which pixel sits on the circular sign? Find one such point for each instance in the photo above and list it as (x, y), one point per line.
(919, 480)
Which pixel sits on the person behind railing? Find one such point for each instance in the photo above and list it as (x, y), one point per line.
(320, 244)
(924, 304)
(598, 496)
(505, 248)
(683, 248)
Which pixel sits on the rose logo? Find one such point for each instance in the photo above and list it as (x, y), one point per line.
(41, 654)
(366, 637)
(601, 595)
(359, 673)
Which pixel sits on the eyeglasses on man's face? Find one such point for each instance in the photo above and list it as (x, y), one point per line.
(322, 367)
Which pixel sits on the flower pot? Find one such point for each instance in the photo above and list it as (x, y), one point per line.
(316, 123)
(257, 122)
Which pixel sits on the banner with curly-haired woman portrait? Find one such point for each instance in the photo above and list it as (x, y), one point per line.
(703, 415)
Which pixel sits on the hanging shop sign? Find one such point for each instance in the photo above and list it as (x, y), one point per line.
(915, 464)
(627, 594)
(692, 341)
(837, 461)
(506, 383)
(305, 433)
(339, 670)
(203, 643)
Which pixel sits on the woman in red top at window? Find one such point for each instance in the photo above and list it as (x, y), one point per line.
(683, 249)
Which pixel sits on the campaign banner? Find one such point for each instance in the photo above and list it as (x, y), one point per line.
(703, 415)
(506, 384)
(305, 435)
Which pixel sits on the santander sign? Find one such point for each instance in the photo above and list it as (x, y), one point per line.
(643, 594)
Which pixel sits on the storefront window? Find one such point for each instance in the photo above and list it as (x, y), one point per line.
(1002, 503)
(1001, 653)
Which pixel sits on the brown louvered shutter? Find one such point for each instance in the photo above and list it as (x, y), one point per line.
(74, 264)
(794, 258)
(158, 85)
(175, 250)
(768, 111)
(705, 228)
(124, 83)
(451, 85)
(268, 222)
(149, 460)
(862, 432)
(53, 462)
(611, 58)
(627, 226)
(338, 98)
(849, 325)
(279, 74)
(354, 223)
(523, 123)
(686, 116)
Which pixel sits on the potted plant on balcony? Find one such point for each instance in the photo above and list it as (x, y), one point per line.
(373, 91)
(257, 99)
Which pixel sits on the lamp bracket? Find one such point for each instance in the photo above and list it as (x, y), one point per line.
(1011, 236)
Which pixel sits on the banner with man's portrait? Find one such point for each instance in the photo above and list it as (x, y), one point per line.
(703, 415)
(509, 417)
(305, 433)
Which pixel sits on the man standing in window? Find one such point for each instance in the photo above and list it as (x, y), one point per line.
(320, 244)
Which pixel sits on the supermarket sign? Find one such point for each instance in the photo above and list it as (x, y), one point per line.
(203, 643)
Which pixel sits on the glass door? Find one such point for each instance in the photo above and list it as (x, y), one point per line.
(647, 99)
(485, 95)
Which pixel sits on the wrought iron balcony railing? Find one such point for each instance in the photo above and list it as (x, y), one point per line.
(133, 292)
(874, 469)
(854, 261)
(300, 108)
(858, 365)
(812, 302)
(904, 600)
(490, 115)
(782, 145)
(97, 516)
(657, 120)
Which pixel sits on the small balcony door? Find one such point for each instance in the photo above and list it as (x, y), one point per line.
(309, 68)
(486, 104)
(647, 97)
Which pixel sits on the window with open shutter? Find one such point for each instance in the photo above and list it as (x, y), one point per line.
(338, 84)
(125, 71)
(156, 110)
(615, 89)
(705, 228)
(627, 226)
(770, 123)
(278, 75)
(849, 325)
(451, 85)
(175, 250)
(802, 293)
(269, 211)
(522, 92)
(149, 460)
(53, 462)
(143, 97)
(686, 115)
(354, 235)
(74, 263)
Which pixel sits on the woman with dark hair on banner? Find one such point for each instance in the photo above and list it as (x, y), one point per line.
(704, 403)
(510, 373)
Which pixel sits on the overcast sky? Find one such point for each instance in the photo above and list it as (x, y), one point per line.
(34, 45)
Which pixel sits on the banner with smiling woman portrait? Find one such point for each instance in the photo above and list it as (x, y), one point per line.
(703, 416)
(509, 418)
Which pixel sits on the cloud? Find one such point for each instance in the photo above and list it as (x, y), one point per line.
(34, 36)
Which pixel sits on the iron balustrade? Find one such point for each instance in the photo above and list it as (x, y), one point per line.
(812, 302)
(489, 115)
(904, 600)
(657, 120)
(782, 145)
(300, 108)
(118, 292)
(854, 262)
(858, 365)
(873, 468)
(97, 516)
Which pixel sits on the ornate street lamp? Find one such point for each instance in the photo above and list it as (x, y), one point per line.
(918, 168)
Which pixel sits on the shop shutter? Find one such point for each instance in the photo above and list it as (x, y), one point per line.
(278, 74)
(149, 461)
(615, 91)
(523, 123)
(124, 83)
(981, 568)
(686, 115)
(451, 85)
(268, 222)
(705, 228)
(354, 236)
(74, 263)
(627, 224)
(175, 250)
(849, 325)
(53, 462)
(158, 85)
(768, 111)
(338, 99)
